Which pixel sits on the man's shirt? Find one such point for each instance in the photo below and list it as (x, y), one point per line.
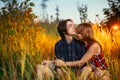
(69, 51)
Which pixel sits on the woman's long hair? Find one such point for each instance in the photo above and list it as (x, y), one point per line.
(86, 30)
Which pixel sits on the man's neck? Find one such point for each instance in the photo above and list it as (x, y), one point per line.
(68, 38)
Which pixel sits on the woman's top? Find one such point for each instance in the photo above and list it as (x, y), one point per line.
(98, 59)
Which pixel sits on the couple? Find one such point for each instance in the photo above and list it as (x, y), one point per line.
(80, 50)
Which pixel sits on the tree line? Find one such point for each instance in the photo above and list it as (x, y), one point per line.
(112, 14)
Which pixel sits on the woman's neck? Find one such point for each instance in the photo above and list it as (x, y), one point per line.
(85, 43)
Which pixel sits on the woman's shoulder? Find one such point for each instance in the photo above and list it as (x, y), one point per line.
(92, 44)
(96, 47)
(95, 44)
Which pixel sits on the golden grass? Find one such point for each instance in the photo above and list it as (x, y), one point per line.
(23, 45)
(110, 45)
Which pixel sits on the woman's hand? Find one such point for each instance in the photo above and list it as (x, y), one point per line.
(71, 64)
(59, 62)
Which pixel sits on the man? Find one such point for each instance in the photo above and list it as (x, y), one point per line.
(68, 48)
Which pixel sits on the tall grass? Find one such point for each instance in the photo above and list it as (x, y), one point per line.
(111, 48)
(24, 44)
(23, 50)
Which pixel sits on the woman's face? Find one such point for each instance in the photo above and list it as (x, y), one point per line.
(70, 28)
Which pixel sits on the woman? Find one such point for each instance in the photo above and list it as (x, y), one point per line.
(93, 56)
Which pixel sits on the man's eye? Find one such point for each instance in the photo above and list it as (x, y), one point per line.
(70, 25)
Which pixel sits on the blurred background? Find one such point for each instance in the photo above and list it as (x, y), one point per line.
(28, 33)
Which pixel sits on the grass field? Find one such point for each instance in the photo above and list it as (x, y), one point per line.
(23, 45)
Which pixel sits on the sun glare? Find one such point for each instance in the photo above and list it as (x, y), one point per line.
(115, 27)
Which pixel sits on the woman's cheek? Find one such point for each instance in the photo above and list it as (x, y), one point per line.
(80, 36)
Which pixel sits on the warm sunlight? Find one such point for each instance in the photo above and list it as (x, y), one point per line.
(37, 44)
(115, 27)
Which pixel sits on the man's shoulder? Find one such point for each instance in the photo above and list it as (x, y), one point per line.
(59, 42)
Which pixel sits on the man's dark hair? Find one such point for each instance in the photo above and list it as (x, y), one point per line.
(62, 27)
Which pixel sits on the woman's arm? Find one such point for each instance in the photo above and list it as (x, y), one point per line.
(93, 49)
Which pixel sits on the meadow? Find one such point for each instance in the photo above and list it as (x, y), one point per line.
(24, 44)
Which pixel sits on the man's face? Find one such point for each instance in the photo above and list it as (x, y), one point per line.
(70, 28)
